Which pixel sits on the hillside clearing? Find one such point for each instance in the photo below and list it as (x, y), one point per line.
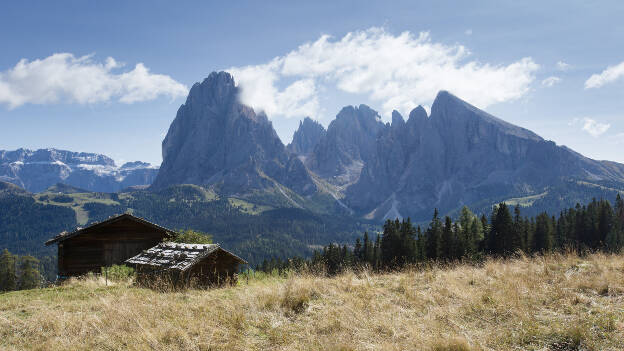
(557, 302)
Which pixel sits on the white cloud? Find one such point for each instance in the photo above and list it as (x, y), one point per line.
(65, 78)
(468, 32)
(398, 71)
(609, 75)
(591, 126)
(562, 66)
(550, 81)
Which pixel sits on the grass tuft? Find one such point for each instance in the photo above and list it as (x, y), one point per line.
(557, 302)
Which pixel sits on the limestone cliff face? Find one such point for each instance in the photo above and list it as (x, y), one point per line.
(217, 141)
(306, 137)
(460, 155)
(348, 145)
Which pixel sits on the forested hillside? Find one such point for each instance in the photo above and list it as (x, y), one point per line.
(597, 226)
(254, 231)
(258, 230)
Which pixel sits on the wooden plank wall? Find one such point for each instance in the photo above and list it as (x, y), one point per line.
(105, 246)
(216, 269)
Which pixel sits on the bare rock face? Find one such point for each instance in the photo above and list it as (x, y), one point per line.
(349, 144)
(306, 137)
(36, 170)
(460, 155)
(217, 141)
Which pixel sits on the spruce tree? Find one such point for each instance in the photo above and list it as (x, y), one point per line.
(421, 245)
(8, 276)
(543, 237)
(447, 239)
(357, 251)
(517, 237)
(434, 237)
(390, 243)
(377, 254)
(501, 231)
(615, 238)
(29, 277)
(368, 250)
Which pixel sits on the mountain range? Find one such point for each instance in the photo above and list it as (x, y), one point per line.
(37, 170)
(226, 172)
(458, 155)
(359, 166)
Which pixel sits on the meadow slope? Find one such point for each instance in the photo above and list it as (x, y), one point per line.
(557, 302)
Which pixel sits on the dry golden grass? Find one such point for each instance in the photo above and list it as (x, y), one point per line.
(557, 302)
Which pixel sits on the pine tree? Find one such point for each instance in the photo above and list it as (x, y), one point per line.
(8, 277)
(357, 251)
(377, 253)
(447, 239)
(407, 244)
(543, 237)
(615, 238)
(501, 231)
(390, 243)
(517, 237)
(605, 222)
(466, 239)
(434, 237)
(368, 250)
(29, 277)
(421, 245)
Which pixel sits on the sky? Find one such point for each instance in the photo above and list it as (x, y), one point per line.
(108, 77)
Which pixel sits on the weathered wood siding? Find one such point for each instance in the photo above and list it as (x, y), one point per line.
(104, 246)
(216, 269)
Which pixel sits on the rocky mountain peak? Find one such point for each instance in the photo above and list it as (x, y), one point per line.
(217, 141)
(216, 90)
(449, 111)
(306, 137)
(418, 114)
(349, 142)
(397, 119)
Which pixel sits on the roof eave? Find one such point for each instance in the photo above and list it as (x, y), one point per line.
(170, 233)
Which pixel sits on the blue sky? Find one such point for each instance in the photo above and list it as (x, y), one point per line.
(108, 77)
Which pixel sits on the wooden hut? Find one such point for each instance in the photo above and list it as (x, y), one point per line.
(183, 265)
(110, 242)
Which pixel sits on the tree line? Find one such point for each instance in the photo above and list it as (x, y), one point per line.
(19, 272)
(597, 226)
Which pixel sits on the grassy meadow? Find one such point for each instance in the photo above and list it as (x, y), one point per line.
(556, 302)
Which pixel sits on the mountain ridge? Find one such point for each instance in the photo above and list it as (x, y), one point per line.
(215, 141)
(36, 170)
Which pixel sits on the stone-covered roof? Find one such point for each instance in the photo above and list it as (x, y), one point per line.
(66, 235)
(177, 256)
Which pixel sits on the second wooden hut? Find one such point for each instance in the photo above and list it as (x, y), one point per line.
(183, 265)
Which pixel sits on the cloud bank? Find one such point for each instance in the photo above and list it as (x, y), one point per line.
(609, 75)
(397, 71)
(65, 78)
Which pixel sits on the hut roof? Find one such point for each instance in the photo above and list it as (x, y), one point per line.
(66, 235)
(178, 256)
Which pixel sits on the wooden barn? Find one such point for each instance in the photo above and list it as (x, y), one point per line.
(110, 242)
(183, 265)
